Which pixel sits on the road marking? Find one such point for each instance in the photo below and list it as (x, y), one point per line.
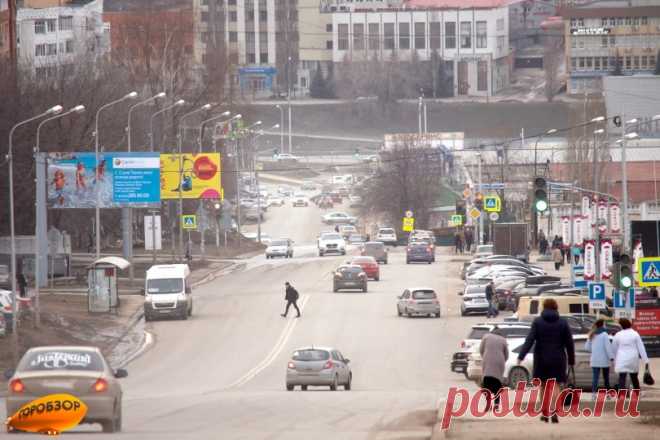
(275, 351)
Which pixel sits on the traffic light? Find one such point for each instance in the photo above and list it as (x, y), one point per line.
(625, 275)
(540, 194)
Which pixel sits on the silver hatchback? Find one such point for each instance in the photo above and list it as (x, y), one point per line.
(318, 366)
(418, 301)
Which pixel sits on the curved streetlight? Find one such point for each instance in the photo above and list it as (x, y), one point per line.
(131, 95)
(221, 124)
(204, 122)
(51, 111)
(598, 119)
(41, 199)
(178, 103)
(548, 132)
(130, 112)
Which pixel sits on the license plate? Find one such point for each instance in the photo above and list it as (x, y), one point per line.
(58, 384)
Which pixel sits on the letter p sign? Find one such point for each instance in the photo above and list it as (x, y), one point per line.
(597, 296)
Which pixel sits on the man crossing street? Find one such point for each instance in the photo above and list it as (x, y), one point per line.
(291, 296)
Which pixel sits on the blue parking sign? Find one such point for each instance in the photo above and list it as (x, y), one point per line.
(597, 296)
(624, 305)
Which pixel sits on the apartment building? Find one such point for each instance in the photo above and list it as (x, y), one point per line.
(51, 34)
(7, 38)
(609, 38)
(470, 36)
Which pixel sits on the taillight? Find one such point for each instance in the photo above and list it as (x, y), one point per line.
(409, 249)
(100, 385)
(462, 344)
(291, 366)
(16, 386)
(328, 365)
(429, 249)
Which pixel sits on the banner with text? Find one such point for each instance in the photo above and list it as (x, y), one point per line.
(589, 260)
(566, 230)
(606, 259)
(615, 218)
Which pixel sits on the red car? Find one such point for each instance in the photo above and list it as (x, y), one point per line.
(369, 265)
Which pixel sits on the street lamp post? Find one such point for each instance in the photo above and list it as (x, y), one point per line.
(203, 108)
(10, 156)
(256, 178)
(97, 216)
(221, 124)
(279, 107)
(536, 144)
(40, 223)
(178, 103)
(595, 158)
(288, 99)
(126, 212)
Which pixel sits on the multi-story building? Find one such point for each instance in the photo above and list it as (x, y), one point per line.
(53, 33)
(259, 39)
(609, 37)
(470, 36)
(7, 36)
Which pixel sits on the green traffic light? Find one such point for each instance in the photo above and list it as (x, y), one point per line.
(541, 205)
(625, 282)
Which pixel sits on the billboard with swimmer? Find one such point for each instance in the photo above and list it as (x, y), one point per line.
(75, 180)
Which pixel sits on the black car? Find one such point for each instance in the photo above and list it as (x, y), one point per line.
(349, 277)
(419, 252)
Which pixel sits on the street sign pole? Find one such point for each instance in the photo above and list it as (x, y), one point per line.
(481, 218)
(153, 236)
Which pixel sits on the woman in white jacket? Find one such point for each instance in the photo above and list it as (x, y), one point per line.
(628, 350)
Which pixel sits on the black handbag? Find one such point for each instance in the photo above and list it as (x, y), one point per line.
(648, 379)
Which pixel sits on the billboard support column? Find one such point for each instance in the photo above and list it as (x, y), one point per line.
(180, 139)
(41, 235)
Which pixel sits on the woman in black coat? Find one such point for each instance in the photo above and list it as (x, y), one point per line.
(553, 344)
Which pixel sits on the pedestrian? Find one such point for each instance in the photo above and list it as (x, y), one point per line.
(575, 250)
(602, 354)
(468, 240)
(553, 345)
(543, 246)
(291, 296)
(22, 284)
(557, 257)
(628, 350)
(494, 354)
(653, 292)
(490, 293)
(555, 242)
(336, 228)
(457, 242)
(189, 252)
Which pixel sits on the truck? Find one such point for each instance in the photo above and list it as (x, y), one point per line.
(511, 239)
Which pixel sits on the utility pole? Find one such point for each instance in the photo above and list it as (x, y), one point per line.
(624, 187)
(419, 116)
(288, 100)
(238, 193)
(481, 217)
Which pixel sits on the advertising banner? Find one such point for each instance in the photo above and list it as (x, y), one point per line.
(195, 176)
(585, 205)
(124, 179)
(602, 215)
(647, 321)
(586, 227)
(638, 252)
(615, 218)
(606, 259)
(589, 260)
(566, 230)
(577, 230)
(594, 212)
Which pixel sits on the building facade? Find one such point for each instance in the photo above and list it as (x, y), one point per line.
(7, 38)
(472, 41)
(609, 38)
(52, 34)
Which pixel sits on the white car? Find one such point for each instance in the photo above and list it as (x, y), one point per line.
(331, 242)
(386, 235)
(300, 200)
(474, 303)
(483, 250)
(282, 247)
(275, 201)
(286, 157)
(335, 218)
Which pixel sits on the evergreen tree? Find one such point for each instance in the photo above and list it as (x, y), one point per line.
(329, 92)
(317, 88)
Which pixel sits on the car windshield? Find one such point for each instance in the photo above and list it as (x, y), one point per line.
(331, 237)
(424, 294)
(350, 269)
(278, 242)
(485, 248)
(61, 359)
(311, 355)
(373, 246)
(165, 285)
(386, 231)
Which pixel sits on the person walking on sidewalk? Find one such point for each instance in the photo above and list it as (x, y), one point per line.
(601, 355)
(490, 293)
(291, 296)
(494, 353)
(22, 285)
(628, 350)
(553, 345)
(557, 257)
(576, 251)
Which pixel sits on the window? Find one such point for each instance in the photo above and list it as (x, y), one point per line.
(233, 16)
(612, 40)
(636, 62)
(603, 21)
(66, 23)
(420, 35)
(597, 63)
(466, 37)
(69, 46)
(450, 35)
(249, 15)
(40, 50)
(652, 61)
(580, 22)
(263, 15)
(578, 308)
(501, 41)
(644, 20)
(635, 21)
(388, 35)
(534, 307)
(589, 63)
(603, 61)
(603, 42)
(51, 49)
(434, 35)
(499, 24)
(342, 36)
(619, 21)
(581, 62)
(645, 61)
(581, 43)
(251, 58)
(39, 27)
(263, 57)
(573, 63)
(373, 36)
(573, 22)
(328, 27)
(612, 21)
(358, 36)
(628, 63)
(51, 24)
(482, 34)
(404, 35)
(574, 42)
(233, 36)
(205, 17)
(482, 76)
(328, 44)
(231, 2)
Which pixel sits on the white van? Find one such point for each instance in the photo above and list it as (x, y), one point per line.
(167, 292)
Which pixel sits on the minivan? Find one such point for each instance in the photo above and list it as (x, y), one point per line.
(568, 305)
(168, 292)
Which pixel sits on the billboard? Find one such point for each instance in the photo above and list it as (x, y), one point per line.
(450, 141)
(195, 176)
(124, 179)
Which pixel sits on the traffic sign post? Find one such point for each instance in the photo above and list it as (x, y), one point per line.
(457, 219)
(494, 216)
(408, 224)
(189, 221)
(492, 204)
(597, 296)
(475, 213)
(578, 276)
(624, 306)
(648, 271)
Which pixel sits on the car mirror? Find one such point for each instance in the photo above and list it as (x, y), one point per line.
(9, 374)
(188, 290)
(120, 373)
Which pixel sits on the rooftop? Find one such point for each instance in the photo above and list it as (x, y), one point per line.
(458, 4)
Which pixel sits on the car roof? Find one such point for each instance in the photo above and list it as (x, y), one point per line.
(502, 324)
(64, 347)
(170, 270)
(314, 347)
(412, 289)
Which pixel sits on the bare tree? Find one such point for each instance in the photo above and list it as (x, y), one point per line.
(552, 59)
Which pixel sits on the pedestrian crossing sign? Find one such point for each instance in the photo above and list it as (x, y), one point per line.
(648, 272)
(492, 204)
(189, 221)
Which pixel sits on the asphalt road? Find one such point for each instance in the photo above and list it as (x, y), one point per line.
(220, 375)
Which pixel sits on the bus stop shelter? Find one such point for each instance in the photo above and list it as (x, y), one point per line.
(102, 290)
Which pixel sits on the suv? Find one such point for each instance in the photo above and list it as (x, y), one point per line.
(375, 249)
(347, 230)
(282, 247)
(350, 276)
(300, 200)
(331, 242)
(419, 251)
(386, 235)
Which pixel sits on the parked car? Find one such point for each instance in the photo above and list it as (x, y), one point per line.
(286, 157)
(5, 278)
(375, 249)
(276, 201)
(419, 252)
(387, 236)
(354, 201)
(369, 265)
(474, 303)
(483, 250)
(337, 218)
(331, 242)
(349, 276)
(78, 370)
(282, 247)
(318, 366)
(308, 186)
(418, 301)
(300, 200)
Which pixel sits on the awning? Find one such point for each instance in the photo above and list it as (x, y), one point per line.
(114, 261)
